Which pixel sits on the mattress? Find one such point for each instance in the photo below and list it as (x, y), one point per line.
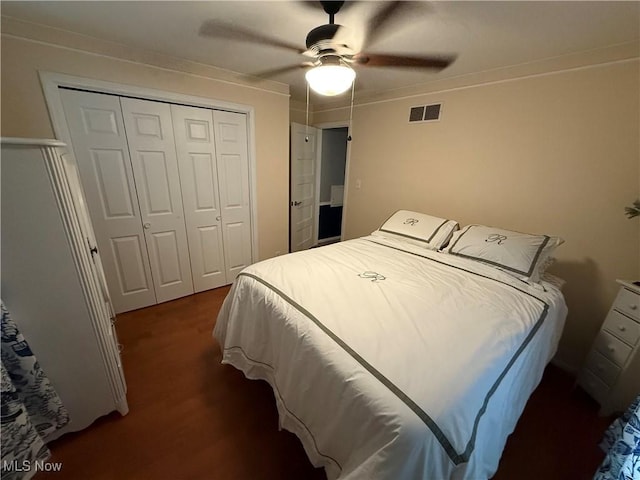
(390, 361)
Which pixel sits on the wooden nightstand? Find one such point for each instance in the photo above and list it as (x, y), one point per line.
(611, 373)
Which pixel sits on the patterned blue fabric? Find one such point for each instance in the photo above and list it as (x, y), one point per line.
(622, 445)
(30, 409)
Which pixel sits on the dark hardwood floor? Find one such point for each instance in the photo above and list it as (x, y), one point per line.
(193, 418)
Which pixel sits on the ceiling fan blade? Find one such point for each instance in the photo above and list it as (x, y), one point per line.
(218, 29)
(384, 19)
(279, 70)
(437, 62)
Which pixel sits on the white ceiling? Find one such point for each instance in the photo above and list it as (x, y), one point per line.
(485, 35)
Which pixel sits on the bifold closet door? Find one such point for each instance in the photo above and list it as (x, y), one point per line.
(100, 145)
(155, 169)
(195, 147)
(232, 159)
(214, 173)
(168, 192)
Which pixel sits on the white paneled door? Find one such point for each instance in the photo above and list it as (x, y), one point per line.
(168, 193)
(100, 145)
(304, 142)
(230, 131)
(155, 168)
(195, 147)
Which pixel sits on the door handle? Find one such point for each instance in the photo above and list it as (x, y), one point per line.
(218, 218)
(295, 203)
(146, 226)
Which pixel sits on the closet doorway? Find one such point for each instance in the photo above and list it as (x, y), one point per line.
(168, 188)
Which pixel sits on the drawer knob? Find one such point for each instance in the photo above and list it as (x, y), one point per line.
(599, 367)
(633, 306)
(622, 328)
(611, 348)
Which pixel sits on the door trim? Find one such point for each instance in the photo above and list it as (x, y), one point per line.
(316, 198)
(51, 82)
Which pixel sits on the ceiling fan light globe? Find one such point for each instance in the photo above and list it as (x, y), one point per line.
(330, 80)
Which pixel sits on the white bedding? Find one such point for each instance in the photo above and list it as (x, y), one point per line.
(390, 361)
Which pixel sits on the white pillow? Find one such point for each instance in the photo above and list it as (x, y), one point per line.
(553, 280)
(521, 254)
(418, 229)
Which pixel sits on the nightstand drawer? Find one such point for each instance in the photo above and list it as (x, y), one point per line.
(604, 369)
(622, 327)
(628, 302)
(593, 386)
(613, 349)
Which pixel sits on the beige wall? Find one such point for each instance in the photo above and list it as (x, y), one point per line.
(298, 112)
(556, 154)
(24, 112)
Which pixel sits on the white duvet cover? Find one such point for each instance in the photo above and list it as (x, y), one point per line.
(389, 361)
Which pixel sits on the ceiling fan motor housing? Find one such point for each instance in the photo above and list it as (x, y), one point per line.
(321, 37)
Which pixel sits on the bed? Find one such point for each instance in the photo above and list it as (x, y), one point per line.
(390, 359)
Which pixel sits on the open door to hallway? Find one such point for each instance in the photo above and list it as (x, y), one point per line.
(302, 204)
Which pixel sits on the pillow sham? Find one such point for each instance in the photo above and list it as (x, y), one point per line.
(419, 229)
(523, 255)
(553, 280)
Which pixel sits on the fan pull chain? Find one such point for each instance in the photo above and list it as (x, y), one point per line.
(306, 136)
(353, 87)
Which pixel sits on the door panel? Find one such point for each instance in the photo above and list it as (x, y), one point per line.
(144, 124)
(165, 246)
(193, 129)
(154, 184)
(100, 147)
(155, 168)
(304, 141)
(233, 170)
(232, 173)
(234, 233)
(111, 176)
(103, 121)
(210, 242)
(201, 166)
(127, 253)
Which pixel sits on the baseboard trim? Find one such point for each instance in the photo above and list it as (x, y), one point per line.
(572, 369)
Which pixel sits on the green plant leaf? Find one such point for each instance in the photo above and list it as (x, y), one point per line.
(634, 211)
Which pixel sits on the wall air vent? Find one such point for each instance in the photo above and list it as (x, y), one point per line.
(416, 114)
(425, 113)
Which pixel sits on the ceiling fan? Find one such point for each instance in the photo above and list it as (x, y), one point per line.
(331, 58)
